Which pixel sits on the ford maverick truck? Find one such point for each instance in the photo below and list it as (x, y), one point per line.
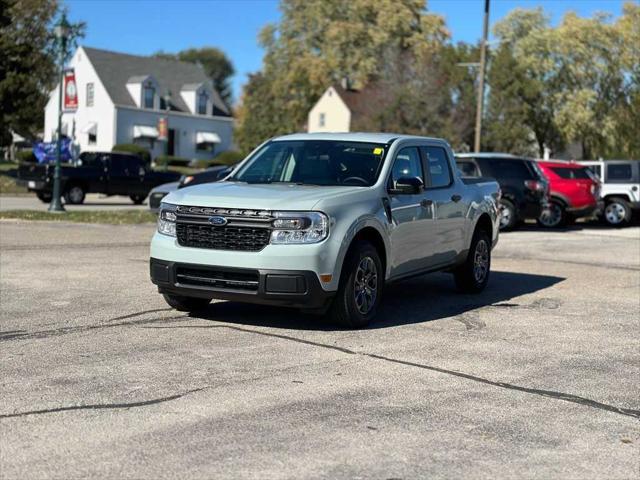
(321, 222)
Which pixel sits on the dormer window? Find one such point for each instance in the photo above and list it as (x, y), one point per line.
(203, 98)
(149, 96)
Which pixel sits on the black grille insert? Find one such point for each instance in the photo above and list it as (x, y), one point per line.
(244, 238)
(225, 279)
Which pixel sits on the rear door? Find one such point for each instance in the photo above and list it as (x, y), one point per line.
(448, 202)
(412, 235)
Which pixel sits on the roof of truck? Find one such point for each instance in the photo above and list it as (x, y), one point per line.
(491, 155)
(352, 137)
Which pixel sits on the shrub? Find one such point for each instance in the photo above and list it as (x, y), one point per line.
(230, 157)
(23, 156)
(133, 148)
(170, 160)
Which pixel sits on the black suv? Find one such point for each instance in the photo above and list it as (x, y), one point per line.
(525, 189)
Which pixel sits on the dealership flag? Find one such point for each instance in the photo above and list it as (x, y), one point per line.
(162, 129)
(70, 90)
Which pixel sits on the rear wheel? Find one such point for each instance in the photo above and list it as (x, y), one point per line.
(508, 215)
(44, 197)
(137, 199)
(74, 195)
(473, 275)
(553, 216)
(186, 304)
(360, 288)
(617, 212)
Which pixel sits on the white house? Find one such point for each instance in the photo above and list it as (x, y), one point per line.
(122, 97)
(342, 108)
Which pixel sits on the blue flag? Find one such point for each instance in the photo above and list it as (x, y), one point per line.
(46, 152)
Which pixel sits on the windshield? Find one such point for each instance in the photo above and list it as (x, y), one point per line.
(314, 162)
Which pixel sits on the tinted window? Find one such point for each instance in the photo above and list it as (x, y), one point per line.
(468, 169)
(406, 164)
(596, 170)
(314, 162)
(619, 172)
(438, 166)
(571, 173)
(510, 169)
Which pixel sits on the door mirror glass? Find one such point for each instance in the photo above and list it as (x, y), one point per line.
(408, 185)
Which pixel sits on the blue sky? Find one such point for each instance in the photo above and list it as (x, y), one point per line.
(146, 26)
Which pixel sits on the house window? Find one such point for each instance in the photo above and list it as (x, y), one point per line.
(322, 120)
(149, 97)
(90, 94)
(202, 103)
(93, 138)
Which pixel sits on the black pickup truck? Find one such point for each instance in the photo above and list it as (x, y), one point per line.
(110, 173)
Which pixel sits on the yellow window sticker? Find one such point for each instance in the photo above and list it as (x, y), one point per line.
(378, 151)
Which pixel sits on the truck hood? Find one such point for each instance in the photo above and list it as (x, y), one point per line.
(273, 196)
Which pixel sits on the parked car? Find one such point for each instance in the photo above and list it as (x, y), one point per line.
(524, 187)
(321, 221)
(158, 193)
(575, 193)
(211, 174)
(110, 173)
(620, 189)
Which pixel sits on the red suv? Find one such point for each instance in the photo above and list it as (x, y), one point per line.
(575, 193)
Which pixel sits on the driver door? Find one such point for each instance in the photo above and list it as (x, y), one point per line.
(412, 217)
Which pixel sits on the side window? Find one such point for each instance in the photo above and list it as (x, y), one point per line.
(468, 169)
(406, 164)
(438, 166)
(619, 172)
(510, 169)
(596, 170)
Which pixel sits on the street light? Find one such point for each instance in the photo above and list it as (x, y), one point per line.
(61, 30)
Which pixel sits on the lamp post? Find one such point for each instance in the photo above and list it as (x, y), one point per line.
(483, 53)
(62, 33)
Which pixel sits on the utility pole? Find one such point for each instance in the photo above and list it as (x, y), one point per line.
(483, 49)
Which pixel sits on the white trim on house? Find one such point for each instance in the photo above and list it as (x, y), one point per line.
(173, 112)
(207, 137)
(145, 131)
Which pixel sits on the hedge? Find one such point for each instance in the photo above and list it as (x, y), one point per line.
(170, 160)
(230, 157)
(133, 148)
(26, 156)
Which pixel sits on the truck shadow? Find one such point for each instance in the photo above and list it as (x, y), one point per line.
(422, 299)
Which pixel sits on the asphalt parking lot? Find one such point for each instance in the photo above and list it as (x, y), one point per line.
(538, 377)
(94, 201)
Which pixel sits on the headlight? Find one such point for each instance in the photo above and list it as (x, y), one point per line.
(186, 180)
(167, 219)
(299, 227)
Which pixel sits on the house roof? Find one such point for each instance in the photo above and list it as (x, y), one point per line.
(117, 69)
(359, 102)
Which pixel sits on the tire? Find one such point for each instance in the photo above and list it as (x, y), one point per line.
(473, 275)
(74, 195)
(186, 304)
(137, 199)
(554, 216)
(617, 212)
(44, 197)
(508, 215)
(360, 289)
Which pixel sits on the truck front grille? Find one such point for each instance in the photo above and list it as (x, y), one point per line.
(219, 279)
(243, 238)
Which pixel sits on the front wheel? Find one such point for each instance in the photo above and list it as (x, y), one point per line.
(360, 287)
(473, 275)
(553, 216)
(617, 212)
(186, 304)
(508, 215)
(137, 199)
(44, 197)
(74, 195)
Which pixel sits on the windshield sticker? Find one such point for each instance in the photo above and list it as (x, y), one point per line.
(378, 151)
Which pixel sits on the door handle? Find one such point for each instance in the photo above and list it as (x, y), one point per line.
(426, 203)
(456, 197)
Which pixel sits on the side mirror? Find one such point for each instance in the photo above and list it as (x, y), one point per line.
(408, 185)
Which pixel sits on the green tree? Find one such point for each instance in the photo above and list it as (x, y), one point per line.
(27, 68)
(319, 42)
(215, 63)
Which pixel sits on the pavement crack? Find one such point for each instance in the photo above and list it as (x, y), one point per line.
(567, 397)
(137, 314)
(101, 406)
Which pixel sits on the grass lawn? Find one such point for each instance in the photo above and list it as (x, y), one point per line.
(112, 217)
(8, 174)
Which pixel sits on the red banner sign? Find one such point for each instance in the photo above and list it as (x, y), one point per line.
(70, 90)
(162, 129)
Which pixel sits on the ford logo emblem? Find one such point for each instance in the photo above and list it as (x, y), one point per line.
(218, 221)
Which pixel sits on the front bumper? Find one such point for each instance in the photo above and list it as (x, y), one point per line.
(289, 288)
(586, 210)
